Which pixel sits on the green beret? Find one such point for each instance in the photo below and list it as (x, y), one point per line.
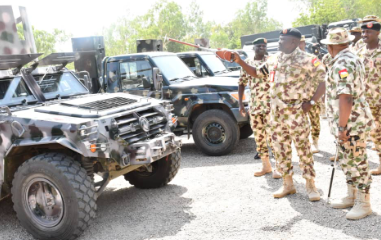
(291, 32)
(371, 25)
(260, 41)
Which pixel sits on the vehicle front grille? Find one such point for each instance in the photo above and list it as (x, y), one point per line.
(131, 131)
(108, 103)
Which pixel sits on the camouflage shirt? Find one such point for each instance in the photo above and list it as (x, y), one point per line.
(291, 77)
(345, 76)
(259, 89)
(372, 63)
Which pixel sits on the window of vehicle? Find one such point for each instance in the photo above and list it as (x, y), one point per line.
(136, 75)
(20, 91)
(172, 67)
(112, 77)
(213, 63)
(64, 85)
(4, 85)
(195, 66)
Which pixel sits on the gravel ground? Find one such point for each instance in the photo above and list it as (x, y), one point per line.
(218, 198)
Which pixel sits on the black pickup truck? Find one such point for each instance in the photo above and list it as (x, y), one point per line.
(207, 107)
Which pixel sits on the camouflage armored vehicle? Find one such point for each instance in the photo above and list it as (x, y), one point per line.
(207, 108)
(205, 64)
(54, 137)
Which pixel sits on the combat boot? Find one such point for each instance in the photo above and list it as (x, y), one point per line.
(348, 201)
(266, 168)
(315, 147)
(376, 171)
(361, 208)
(313, 193)
(287, 188)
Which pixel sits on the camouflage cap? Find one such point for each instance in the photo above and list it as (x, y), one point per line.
(303, 39)
(338, 35)
(355, 30)
(370, 18)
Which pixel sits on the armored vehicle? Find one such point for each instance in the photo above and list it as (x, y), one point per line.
(205, 64)
(207, 108)
(60, 146)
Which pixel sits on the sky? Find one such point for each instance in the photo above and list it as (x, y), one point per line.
(88, 18)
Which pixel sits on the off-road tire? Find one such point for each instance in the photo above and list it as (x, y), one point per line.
(245, 131)
(163, 171)
(76, 188)
(229, 125)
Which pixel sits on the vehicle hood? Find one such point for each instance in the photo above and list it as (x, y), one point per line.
(230, 74)
(88, 107)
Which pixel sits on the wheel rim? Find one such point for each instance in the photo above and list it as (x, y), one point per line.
(44, 202)
(214, 133)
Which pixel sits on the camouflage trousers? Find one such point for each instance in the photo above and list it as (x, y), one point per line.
(260, 125)
(376, 133)
(291, 125)
(355, 163)
(322, 109)
(314, 116)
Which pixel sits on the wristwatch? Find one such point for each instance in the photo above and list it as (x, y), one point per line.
(312, 102)
(342, 129)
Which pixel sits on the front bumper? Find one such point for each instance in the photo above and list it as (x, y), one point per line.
(154, 149)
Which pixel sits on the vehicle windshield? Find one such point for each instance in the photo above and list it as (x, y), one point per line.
(213, 62)
(64, 85)
(172, 67)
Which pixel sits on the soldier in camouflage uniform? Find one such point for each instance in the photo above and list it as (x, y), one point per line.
(360, 44)
(350, 119)
(356, 32)
(291, 73)
(259, 106)
(371, 56)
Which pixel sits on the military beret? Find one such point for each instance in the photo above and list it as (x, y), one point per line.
(260, 41)
(371, 25)
(291, 32)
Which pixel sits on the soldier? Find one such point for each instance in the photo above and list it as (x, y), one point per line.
(360, 43)
(291, 74)
(349, 118)
(355, 31)
(371, 56)
(259, 106)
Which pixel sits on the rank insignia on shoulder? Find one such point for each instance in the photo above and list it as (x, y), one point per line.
(343, 73)
(316, 62)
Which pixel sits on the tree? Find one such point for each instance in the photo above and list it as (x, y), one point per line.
(46, 42)
(327, 11)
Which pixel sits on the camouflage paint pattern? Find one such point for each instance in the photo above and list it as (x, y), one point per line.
(291, 78)
(346, 74)
(10, 42)
(114, 133)
(376, 132)
(356, 168)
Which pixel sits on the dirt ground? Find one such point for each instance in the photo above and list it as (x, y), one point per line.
(218, 198)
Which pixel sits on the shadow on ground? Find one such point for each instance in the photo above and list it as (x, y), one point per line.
(143, 213)
(322, 214)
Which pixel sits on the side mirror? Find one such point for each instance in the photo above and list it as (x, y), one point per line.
(157, 79)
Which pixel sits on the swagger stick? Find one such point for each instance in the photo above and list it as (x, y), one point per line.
(333, 169)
